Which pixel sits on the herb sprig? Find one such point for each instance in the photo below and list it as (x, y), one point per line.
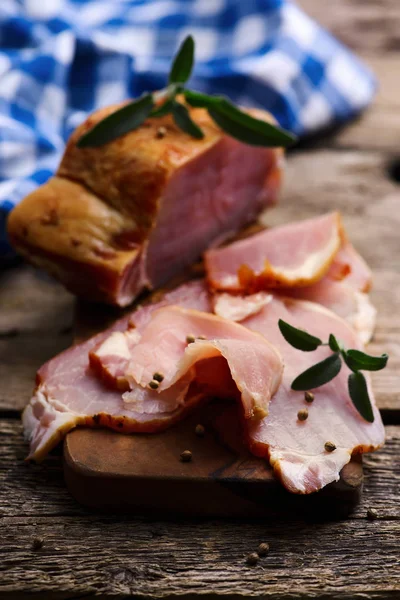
(327, 369)
(228, 117)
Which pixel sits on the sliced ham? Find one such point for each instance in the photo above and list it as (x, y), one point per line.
(296, 254)
(344, 300)
(70, 393)
(351, 267)
(338, 283)
(296, 449)
(130, 214)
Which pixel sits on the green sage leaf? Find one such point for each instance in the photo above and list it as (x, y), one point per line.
(358, 391)
(163, 109)
(199, 100)
(334, 344)
(119, 123)
(318, 374)
(359, 361)
(248, 129)
(184, 121)
(298, 338)
(183, 62)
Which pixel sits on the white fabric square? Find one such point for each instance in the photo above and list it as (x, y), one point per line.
(343, 76)
(316, 113)
(249, 35)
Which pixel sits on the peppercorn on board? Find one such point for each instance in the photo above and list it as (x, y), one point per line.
(180, 472)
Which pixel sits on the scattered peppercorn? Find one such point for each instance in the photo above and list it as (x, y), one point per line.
(201, 337)
(158, 376)
(186, 456)
(153, 384)
(161, 133)
(190, 339)
(199, 430)
(330, 446)
(372, 514)
(309, 397)
(263, 549)
(37, 543)
(252, 559)
(302, 415)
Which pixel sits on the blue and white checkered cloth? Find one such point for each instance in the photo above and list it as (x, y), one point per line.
(61, 59)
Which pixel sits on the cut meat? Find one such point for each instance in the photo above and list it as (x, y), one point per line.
(296, 449)
(164, 347)
(110, 358)
(296, 254)
(132, 213)
(351, 305)
(188, 295)
(234, 308)
(344, 300)
(238, 267)
(349, 265)
(69, 393)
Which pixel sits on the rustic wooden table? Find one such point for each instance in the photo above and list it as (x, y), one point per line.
(86, 554)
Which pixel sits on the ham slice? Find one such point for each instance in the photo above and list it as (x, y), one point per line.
(296, 449)
(132, 213)
(70, 393)
(338, 277)
(344, 300)
(350, 266)
(296, 254)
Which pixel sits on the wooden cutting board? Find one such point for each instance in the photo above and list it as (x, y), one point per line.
(143, 473)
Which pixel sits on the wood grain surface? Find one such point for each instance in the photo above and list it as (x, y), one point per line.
(86, 554)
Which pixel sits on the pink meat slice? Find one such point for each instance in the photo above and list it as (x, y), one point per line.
(296, 449)
(342, 298)
(110, 358)
(69, 393)
(351, 266)
(255, 366)
(295, 254)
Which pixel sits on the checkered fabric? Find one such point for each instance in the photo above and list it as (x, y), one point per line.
(61, 59)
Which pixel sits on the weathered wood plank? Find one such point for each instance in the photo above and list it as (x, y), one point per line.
(86, 553)
(379, 126)
(367, 26)
(372, 29)
(35, 324)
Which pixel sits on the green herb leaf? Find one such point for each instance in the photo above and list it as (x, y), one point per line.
(246, 128)
(298, 338)
(199, 100)
(281, 136)
(334, 344)
(318, 374)
(359, 361)
(231, 119)
(184, 122)
(118, 123)
(163, 109)
(238, 123)
(183, 62)
(358, 391)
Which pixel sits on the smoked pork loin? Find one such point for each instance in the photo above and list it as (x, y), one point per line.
(130, 214)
